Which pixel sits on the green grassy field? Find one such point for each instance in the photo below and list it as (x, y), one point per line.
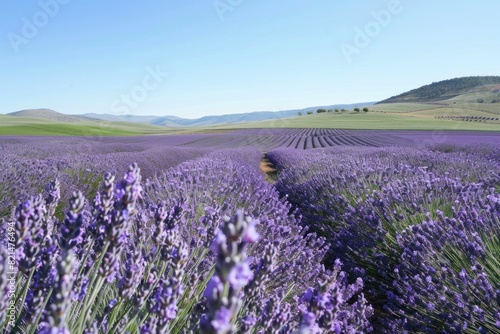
(370, 121)
(401, 107)
(485, 93)
(459, 107)
(11, 125)
(390, 116)
(450, 111)
(489, 107)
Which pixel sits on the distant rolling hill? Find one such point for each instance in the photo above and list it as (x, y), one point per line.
(476, 89)
(153, 120)
(49, 122)
(51, 115)
(468, 103)
(220, 119)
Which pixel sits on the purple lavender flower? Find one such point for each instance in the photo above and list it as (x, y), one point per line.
(4, 286)
(132, 272)
(116, 228)
(222, 321)
(214, 285)
(28, 227)
(59, 307)
(251, 235)
(232, 273)
(72, 230)
(239, 275)
(324, 308)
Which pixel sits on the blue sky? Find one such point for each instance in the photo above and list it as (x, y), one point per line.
(204, 57)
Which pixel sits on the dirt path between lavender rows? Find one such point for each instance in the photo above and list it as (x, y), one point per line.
(269, 170)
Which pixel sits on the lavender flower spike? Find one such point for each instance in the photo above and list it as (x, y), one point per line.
(232, 274)
(61, 303)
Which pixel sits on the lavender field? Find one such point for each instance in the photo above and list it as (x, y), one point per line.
(352, 232)
(267, 139)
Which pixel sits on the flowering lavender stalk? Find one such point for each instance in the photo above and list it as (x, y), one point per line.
(132, 272)
(276, 316)
(232, 274)
(53, 195)
(103, 205)
(43, 280)
(72, 230)
(4, 288)
(111, 227)
(60, 300)
(30, 217)
(127, 192)
(28, 236)
(163, 302)
(145, 287)
(169, 290)
(255, 291)
(326, 307)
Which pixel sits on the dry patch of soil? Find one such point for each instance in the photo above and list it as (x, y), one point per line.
(268, 169)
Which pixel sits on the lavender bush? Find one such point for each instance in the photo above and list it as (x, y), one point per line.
(29, 164)
(419, 227)
(164, 256)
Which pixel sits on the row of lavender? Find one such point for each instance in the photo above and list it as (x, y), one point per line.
(267, 139)
(420, 227)
(28, 164)
(171, 254)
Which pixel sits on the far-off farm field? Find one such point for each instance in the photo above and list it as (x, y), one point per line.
(270, 230)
